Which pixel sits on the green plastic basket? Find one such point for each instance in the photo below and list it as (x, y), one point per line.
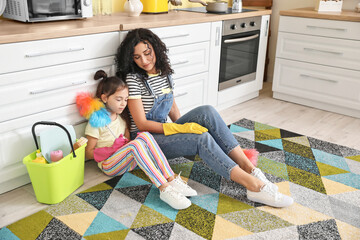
(54, 182)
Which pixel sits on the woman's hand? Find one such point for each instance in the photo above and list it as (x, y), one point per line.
(173, 128)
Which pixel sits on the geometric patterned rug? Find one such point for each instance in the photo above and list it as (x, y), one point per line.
(323, 178)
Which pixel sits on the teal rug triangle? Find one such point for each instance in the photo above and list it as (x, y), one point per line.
(7, 234)
(349, 179)
(235, 128)
(207, 201)
(96, 199)
(330, 159)
(130, 180)
(153, 201)
(276, 143)
(102, 224)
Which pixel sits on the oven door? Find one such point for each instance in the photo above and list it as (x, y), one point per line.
(46, 10)
(238, 61)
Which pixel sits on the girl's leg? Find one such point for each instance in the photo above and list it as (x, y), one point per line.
(130, 155)
(156, 154)
(208, 117)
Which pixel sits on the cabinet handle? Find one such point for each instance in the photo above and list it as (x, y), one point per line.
(318, 78)
(241, 39)
(181, 94)
(54, 52)
(323, 51)
(180, 62)
(328, 28)
(34, 92)
(175, 36)
(217, 37)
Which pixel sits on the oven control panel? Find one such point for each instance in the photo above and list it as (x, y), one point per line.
(241, 25)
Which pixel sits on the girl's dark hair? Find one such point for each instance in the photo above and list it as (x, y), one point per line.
(124, 57)
(108, 86)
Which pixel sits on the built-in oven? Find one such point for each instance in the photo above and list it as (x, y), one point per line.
(239, 51)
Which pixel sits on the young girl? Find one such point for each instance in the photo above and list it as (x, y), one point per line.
(143, 151)
(142, 60)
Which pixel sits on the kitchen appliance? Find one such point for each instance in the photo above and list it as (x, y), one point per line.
(203, 10)
(155, 6)
(47, 10)
(239, 51)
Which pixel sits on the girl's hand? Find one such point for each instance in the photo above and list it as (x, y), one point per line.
(173, 128)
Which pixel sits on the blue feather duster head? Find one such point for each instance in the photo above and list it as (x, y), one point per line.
(100, 118)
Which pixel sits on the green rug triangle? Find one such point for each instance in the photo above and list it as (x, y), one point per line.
(184, 168)
(273, 167)
(298, 149)
(263, 136)
(99, 187)
(275, 132)
(119, 235)
(227, 204)
(306, 179)
(103, 223)
(356, 158)
(303, 140)
(261, 126)
(326, 170)
(147, 217)
(31, 226)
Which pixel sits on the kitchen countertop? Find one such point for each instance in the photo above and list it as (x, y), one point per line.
(14, 31)
(344, 15)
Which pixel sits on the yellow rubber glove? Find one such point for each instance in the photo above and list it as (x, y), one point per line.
(173, 128)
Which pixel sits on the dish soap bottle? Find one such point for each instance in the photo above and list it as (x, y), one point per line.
(237, 6)
(39, 158)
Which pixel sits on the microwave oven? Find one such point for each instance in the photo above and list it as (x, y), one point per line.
(47, 10)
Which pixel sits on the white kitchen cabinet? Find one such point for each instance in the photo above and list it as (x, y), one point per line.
(318, 64)
(43, 88)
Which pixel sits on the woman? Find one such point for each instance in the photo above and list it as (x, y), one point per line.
(142, 60)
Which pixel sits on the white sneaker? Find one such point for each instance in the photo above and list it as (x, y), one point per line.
(256, 172)
(174, 198)
(270, 196)
(182, 187)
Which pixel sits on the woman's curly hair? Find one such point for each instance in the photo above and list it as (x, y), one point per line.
(124, 57)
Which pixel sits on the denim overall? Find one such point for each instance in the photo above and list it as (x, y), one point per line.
(212, 146)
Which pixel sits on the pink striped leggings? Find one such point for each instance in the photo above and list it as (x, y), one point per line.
(144, 152)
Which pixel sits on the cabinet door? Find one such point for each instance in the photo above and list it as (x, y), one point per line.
(42, 89)
(322, 50)
(189, 92)
(35, 54)
(331, 85)
(320, 27)
(189, 59)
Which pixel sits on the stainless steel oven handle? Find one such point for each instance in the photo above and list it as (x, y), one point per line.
(244, 39)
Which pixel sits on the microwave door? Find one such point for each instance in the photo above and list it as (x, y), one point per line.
(39, 10)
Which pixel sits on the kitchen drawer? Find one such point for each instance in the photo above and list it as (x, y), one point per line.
(16, 142)
(183, 34)
(189, 59)
(320, 27)
(33, 91)
(188, 91)
(42, 53)
(317, 82)
(322, 50)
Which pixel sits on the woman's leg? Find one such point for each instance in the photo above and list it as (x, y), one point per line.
(130, 155)
(157, 155)
(208, 117)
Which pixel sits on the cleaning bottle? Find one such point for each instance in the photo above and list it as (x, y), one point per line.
(39, 157)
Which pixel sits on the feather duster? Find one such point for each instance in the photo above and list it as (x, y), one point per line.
(92, 109)
(252, 155)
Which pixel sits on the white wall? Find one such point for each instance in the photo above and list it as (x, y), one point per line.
(279, 5)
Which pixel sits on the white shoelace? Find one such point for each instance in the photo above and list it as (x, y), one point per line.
(178, 179)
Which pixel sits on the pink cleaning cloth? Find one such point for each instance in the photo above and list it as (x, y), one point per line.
(101, 154)
(252, 155)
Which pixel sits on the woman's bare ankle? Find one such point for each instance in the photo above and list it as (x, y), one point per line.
(162, 187)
